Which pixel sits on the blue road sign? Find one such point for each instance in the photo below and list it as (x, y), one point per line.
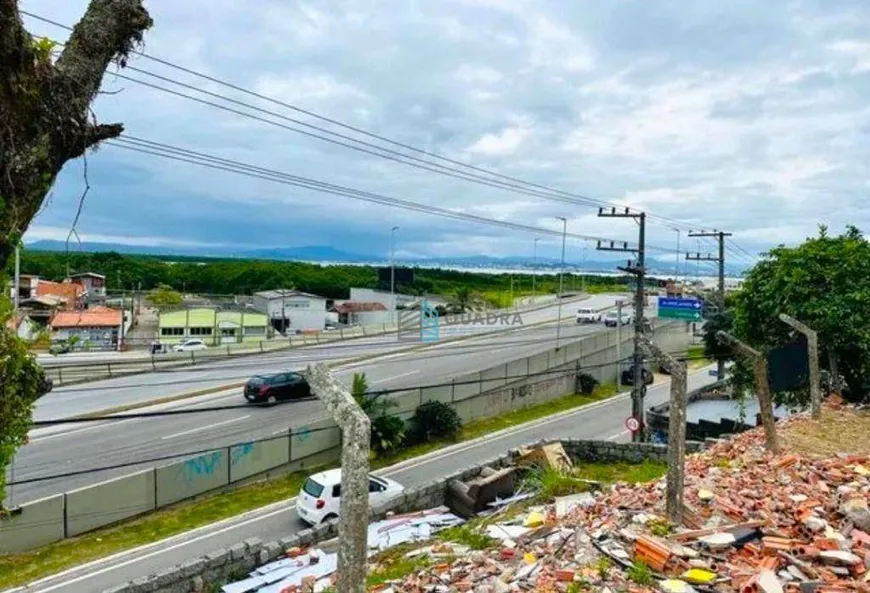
(676, 308)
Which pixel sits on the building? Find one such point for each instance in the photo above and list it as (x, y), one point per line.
(23, 326)
(98, 328)
(212, 326)
(353, 313)
(26, 287)
(93, 285)
(291, 309)
(370, 295)
(71, 295)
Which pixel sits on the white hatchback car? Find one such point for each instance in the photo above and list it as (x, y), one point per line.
(320, 497)
(190, 346)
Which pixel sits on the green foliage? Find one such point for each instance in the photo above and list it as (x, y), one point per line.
(42, 48)
(659, 527)
(825, 283)
(467, 536)
(434, 420)
(21, 384)
(603, 566)
(387, 432)
(164, 296)
(587, 383)
(640, 574)
(550, 482)
(713, 347)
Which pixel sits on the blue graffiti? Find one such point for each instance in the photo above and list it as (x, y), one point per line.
(239, 452)
(303, 434)
(204, 465)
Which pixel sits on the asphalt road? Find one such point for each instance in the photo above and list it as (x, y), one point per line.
(602, 420)
(71, 448)
(142, 388)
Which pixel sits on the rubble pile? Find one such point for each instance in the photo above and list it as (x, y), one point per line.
(753, 522)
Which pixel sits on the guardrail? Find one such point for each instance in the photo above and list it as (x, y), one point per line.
(64, 372)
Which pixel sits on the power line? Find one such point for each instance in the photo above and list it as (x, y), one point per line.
(515, 184)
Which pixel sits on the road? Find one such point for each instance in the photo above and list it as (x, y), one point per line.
(602, 420)
(71, 448)
(142, 388)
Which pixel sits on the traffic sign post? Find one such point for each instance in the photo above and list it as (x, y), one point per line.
(675, 308)
(632, 424)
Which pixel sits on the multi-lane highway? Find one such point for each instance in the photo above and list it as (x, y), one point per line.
(142, 388)
(71, 448)
(603, 420)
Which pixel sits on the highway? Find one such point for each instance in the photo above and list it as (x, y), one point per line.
(602, 420)
(128, 390)
(70, 448)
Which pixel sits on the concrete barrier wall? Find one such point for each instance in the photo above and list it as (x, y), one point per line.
(466, 386)
(442, 394)
(250, 459)
(39, 522)
(190, 477)
(109, 502)
(313, 438)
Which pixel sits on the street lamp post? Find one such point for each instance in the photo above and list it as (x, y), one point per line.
(535, 267)
(583, 265)
(561, 274)
(677, 270)
(393, 273)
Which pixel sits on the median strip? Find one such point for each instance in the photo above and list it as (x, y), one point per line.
(20, 569)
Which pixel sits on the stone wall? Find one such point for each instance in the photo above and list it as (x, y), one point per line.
(235, 562)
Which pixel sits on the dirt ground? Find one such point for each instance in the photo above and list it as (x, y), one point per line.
(839, 431)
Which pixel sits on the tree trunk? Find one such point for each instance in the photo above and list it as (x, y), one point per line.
(45, 113)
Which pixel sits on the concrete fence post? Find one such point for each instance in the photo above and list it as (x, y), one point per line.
(813, 355)
(676, 430)
(354, 506)
(762, 387)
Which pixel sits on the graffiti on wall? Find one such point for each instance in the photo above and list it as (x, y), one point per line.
(240, 452)
(204, 465)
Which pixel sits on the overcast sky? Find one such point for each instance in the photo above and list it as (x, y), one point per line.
(743, 115)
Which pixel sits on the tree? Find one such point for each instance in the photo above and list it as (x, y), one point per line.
(825, 283)
(164, 296)
(22, 382)
(45, 107)
(388, 432)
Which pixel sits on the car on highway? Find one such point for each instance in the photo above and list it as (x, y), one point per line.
(190, 345)
(588, 316)
(611, 319)
(320, 497)
(628, 376)
(276, 387)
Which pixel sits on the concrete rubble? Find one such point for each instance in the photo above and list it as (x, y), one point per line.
(754, 522)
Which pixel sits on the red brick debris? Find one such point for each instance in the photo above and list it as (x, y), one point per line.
(753, 522)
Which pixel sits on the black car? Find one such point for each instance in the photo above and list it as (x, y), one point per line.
(628, 376)
(273, 388)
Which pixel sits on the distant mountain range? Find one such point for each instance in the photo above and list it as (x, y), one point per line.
(328, 254)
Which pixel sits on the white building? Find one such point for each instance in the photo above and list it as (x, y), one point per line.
(370, 295)
(292, 309)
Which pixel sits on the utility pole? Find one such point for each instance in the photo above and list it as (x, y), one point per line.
(813, 355)
(720, 236)
(619, 342)
(677, 269)
(535, 266)
(561, 273)
(762, 387)
(582, 266)
(16, 297)
(393, 274)
(638, 391)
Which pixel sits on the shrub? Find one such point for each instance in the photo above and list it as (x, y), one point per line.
(586, 384)
(434, 420)
(388, 433)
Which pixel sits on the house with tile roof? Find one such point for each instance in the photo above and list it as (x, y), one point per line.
(98, 328)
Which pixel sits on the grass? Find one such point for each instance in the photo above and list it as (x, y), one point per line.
(696, 357)
(640, 574)
(392, 565)
(633, 473)
(485, 426)
(19, 569)
(838, 431)
(466, 535)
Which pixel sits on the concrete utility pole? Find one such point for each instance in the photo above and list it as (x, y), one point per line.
(762, 387)
(16, 297)
(676, 430)
(582, 266)
(720, 237)
(393, 274)
(813, 355)
(619, 342)
(535, 266)
(638, 391)
(561, 273)
(354, 506)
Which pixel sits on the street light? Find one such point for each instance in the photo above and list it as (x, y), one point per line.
(393, 273)
(535, 267)
(583, 265)
(561, 273)
(677, 271)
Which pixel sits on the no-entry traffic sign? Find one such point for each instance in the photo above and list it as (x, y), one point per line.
(632, 424)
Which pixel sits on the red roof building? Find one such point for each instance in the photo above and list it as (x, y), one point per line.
(96, 317)
(69, 292)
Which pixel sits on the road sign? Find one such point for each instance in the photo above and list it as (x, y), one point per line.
(632, 424)
(676, 308)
